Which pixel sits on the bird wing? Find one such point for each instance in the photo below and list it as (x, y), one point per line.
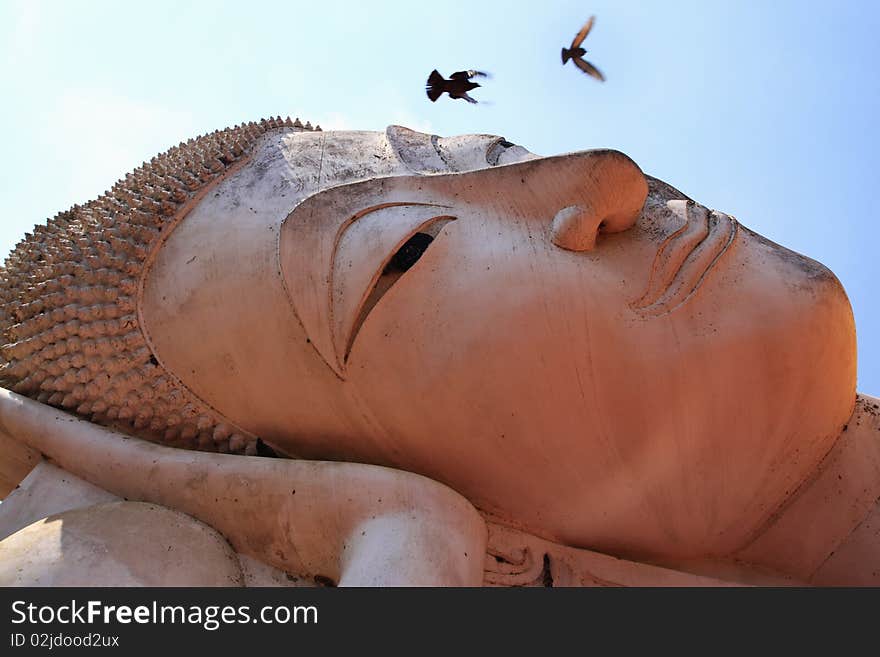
(467, 75)
(588, 68)
(585, 30)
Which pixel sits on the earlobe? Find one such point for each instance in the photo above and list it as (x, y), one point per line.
(417, 151)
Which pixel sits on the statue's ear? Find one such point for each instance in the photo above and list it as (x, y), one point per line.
(337, 244)
(423, 154)
(417, 150)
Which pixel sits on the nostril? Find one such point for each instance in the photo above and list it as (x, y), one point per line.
(610, 191)
(574, 228)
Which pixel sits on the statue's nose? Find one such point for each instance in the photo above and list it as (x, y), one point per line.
(614, 193)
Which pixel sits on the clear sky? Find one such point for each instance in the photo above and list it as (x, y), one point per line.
(766, 110)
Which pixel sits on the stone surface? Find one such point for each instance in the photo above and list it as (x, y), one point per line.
(118, 544)
(258, 574)
(47, 490)
(16, 462)
(517, 559)
(830, 512)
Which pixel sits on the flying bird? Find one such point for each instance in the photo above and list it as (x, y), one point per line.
(575, 52)
(456, 86)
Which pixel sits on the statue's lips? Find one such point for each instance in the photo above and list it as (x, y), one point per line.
(685, 258)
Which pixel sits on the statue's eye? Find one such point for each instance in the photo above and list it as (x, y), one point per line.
(401, 262)
(336, 278)
(409, 253)
(371, 255)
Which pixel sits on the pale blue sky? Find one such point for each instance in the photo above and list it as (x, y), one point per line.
(765, 110)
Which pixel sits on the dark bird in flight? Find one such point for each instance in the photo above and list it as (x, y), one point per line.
(575, 52)
(456, 86)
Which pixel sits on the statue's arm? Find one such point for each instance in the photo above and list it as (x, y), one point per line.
(354, 524)
(16, 461)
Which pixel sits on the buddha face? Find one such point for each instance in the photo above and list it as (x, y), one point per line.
(578, 349)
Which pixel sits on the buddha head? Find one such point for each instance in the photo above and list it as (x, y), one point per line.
(581, 350)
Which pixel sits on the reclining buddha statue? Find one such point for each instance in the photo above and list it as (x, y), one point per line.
(277, 355)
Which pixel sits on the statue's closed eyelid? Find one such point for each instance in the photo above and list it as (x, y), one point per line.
(334, 247)
(371, 255)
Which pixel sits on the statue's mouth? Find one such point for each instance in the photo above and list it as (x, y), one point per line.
(685, 258)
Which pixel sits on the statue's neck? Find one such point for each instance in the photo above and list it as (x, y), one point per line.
(827, 533)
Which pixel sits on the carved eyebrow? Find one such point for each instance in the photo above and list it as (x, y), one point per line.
(382, 206)
(360, 266)
(350, 222)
